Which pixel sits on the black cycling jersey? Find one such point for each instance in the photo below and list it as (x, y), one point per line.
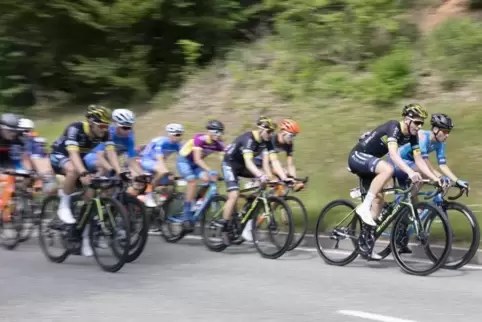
(376, 142)
(77, 137)
(11, 151)
(247, 143)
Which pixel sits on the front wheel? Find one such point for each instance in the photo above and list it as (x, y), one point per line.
(139, 225)
(211, 232)
(300, 220)
(441, 234)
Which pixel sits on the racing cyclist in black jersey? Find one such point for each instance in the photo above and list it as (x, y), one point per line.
(364, 159)
(68, 151)
(238, 162)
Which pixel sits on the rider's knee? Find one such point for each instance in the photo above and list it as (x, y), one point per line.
(233, 195)
(70, 171)
(385, 169)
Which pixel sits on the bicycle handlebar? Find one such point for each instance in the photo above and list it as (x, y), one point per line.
(399, 190)
(459, 194)
(18, 173)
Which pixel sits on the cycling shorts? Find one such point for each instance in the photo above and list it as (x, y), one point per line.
(149, 165)
(231, 172)
(188, 169)
(363, 165)
(58, 161)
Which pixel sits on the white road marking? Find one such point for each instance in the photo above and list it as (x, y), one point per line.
(372, 316)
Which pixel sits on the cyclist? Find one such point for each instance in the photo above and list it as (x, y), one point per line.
(155, 153)
(35, 147)
(123, 137)
(190, 162)
(78, 139)
(12, 156)
(364, 159)
(238, 162)
(430, 141)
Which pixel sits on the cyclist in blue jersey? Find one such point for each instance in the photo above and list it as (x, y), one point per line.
(432, 141)
(154, 155)
(123, 137)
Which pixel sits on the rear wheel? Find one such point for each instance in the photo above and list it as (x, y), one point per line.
(139, 225)
(171, 225)
(210, 232)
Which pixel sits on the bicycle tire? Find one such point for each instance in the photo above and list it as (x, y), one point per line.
(438, 263)
(388, 249)
(212, 247)
(28, 219)
(281, 248)
(166, 230)
(121, 256)
(240, 240)
(41, 226)
(137, 248)
(297, 241)
(351, 257)
(474, 246)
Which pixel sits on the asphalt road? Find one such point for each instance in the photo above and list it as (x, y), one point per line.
(186, 282)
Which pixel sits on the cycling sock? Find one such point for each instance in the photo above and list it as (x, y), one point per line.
(368, 200)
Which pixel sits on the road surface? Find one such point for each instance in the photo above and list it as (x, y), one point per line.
(186, 282)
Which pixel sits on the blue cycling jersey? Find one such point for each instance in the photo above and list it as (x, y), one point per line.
(426, 147)
(160, 146)
(123, 144)
(35, 146)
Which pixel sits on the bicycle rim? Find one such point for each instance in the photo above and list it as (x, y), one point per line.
(209, 230)
(300, 221)
(139, 226)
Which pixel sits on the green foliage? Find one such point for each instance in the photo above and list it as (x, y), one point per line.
(475, 4)
(455, 48)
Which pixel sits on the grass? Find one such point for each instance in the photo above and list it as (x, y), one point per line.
(329, 128)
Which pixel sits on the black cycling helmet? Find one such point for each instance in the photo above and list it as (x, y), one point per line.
(10, 121)
(414, 110)
(215, 125)
(442, 121)
(98, 113)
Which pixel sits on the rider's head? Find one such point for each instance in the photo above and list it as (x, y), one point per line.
(414, 116)
(25, 126)
(266, 127)
(289, 129)
(124, 120)
(9, 125)
(99, 118)
(175, 131)
(442, 124)
(215, 129)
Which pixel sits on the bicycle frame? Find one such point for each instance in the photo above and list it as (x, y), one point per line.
(85, 216)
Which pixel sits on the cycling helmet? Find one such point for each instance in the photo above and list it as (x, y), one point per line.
(442, 121)
(174, 128)
(414, 110)
(215, 125)
(25, 125)
(98, 113)
(123, 116)
(289, 126)
(266, 123)
(9, 121)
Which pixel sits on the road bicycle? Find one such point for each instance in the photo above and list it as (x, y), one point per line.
(257, 210)
(106, 217)
(401, 213)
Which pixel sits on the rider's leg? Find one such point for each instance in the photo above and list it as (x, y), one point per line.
(186, 170)
(232, 186)
(149, 165)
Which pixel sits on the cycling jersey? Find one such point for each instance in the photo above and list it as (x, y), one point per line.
(123, 144)
(160, 146)
(200, 142)
(426, 147)
(76, 137)
(279, 147)
(11, 152)
(35, 146)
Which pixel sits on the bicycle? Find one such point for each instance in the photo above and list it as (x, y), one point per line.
(282, 192)
(258, 208)
(445, 205)
(175, 217)
(22, 218)
(98, 212)
(139, 221)
(400, 212)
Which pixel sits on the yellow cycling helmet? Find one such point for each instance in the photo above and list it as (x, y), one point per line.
(266, 123)
(414, 110)
(99, 113)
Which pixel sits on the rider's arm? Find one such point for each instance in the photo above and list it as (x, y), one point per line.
(247, 149)
(265, 164)
(432, 168)
(134, 166)
(275, 162)
(289, 162)
(197, 158)
(392, 144)
(442, 162)
(111, 153)
(418, 144)
(446, 170)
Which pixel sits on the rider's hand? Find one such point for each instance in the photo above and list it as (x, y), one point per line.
(415, 177)
(213, 175)
(86, 180)
(462, 184)
(263, 178)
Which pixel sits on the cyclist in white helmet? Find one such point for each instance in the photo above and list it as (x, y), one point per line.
(122, 134)
(154, 154)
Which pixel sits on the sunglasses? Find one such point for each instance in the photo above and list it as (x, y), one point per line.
(102, 126)
(215, 132)
(126, 128)
(291, 135)
(177, 134)
(446, 132)
(417, 122)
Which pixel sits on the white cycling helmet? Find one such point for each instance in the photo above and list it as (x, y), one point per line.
(123, 116)
(25, 124)
(174, 128)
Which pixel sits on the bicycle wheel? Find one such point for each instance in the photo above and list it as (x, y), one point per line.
(115, 229)
(139, 226)
(442, 235)
(386, 235)
(300, 220)
(10, 230)
(460, 234)
(172, 228)
(338, 231)
(29, 220)
(208, 227)
(272, 231)
(50, 225)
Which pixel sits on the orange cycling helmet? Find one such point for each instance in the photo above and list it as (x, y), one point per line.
(289, 126)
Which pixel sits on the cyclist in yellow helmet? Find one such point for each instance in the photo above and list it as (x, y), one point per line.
(68, 151)
(238, 162)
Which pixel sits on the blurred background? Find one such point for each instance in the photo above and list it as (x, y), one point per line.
(338, 67)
